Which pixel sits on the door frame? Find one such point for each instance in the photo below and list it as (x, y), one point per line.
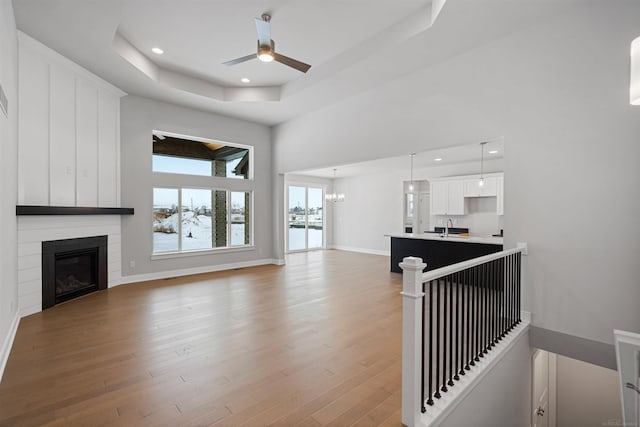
(306, 185)
(551, 386)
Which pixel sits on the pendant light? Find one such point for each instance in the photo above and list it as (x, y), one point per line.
(334, 196)
(481, 181)
(411, 183)
(634, 81)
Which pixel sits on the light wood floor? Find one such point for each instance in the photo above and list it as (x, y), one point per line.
(315, 342)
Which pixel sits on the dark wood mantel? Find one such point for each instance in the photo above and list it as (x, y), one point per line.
(70, 210)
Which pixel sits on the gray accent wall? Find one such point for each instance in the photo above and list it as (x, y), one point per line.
(139, 117)
(558, 92)
(8, 180)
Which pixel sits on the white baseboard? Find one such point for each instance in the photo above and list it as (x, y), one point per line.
(361, 250)
(278, 261)
(5, 350)
(188, 271)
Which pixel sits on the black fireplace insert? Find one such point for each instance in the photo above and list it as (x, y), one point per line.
(72, 268)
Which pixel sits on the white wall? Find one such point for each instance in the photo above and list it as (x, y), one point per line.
(371, 208)
(587, 395)
(140, 116)
(503, 396)
(8, 181)
(33, 230)
(373, 205)
(558, 93)
(69, 127)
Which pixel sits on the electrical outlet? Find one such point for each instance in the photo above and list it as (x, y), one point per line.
(132, 264)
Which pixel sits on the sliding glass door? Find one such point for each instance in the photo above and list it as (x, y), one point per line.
(305, 218)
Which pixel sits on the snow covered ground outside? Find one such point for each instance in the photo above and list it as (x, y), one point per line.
(196, 230)
(296, 238)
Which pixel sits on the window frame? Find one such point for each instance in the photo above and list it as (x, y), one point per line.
(228, 248)
(250, 174)
(180, 181)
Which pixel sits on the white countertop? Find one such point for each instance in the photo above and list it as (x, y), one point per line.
(451, 238)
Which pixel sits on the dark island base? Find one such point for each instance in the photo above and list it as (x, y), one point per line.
(437, 253)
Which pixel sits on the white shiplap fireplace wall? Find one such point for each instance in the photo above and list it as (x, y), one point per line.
(33, 230)
(68, 155)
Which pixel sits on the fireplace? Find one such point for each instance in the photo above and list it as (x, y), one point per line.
(72, 268)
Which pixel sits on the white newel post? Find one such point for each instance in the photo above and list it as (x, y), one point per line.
(411, 339)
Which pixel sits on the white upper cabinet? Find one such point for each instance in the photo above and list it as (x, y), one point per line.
(439, 197)
(472, 189)
(448, 194)
(68, 131)
(447, 197)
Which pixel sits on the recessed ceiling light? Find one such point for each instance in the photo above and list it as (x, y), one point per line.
(437, 159)
(493, 152)
(157, 51)
(245, 80)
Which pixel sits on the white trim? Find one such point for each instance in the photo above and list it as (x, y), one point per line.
(464, 177)
(189, 271)
(200, 252)
(5, 350)
(360, 250)
(628, 361)
(444, 406)
(278, 261)
(454, 268)
(412, 296)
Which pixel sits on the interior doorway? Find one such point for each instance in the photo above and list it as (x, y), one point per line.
(543, 393)
(305, 218)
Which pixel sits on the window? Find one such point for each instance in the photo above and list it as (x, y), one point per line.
(209, 219)
(200, 205)
(173, 153)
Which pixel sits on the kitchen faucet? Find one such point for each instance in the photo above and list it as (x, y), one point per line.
(446, 227)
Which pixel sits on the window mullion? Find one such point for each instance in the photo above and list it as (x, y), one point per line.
(179, 219)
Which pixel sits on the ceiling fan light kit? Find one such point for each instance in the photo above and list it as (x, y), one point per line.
(266, 48)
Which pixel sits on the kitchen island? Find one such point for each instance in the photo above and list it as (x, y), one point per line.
(438, 251)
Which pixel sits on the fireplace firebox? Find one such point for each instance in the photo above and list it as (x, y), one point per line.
(72, 268)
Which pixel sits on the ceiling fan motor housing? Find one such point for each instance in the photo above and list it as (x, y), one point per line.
(265, 52)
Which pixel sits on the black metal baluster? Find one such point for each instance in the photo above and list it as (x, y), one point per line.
(477, 314)
(467, 281)
(518, 284)
(483, 290)
(444, 338)
(430, 399)
(511, 296)
(423, 331)
(492, 305)
(437, 389)
(483, 269)
(499, 295)
(450, 382)
(458, 332)
(507, 286)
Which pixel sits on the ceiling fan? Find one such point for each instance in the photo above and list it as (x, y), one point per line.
(266, 48)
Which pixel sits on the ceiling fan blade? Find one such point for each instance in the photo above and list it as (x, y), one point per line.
(264, 32)
(240, 60)
(300, 66)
